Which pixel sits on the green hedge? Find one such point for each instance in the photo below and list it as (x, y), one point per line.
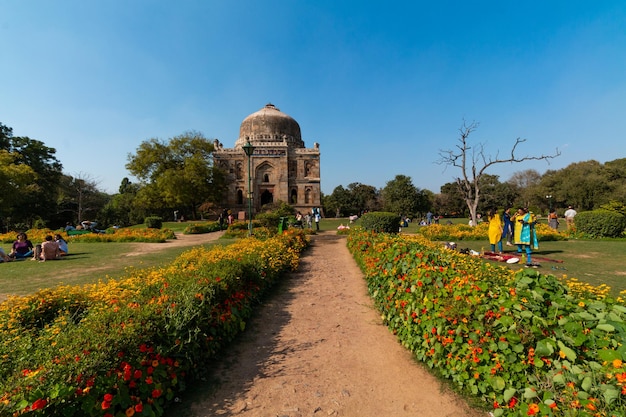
(154, 222)
(381, 222)
(601, 223)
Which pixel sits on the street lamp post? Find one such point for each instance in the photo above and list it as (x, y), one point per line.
(549, 197)
(249, 150)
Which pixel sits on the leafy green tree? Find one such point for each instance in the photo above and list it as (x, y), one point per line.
(585, 185)
(354, 199)
(16, 186)
(121, 210)
(400, 196)
(38, 198)
(177, 174)
(338, 203)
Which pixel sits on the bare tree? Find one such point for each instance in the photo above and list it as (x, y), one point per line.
(473, 163)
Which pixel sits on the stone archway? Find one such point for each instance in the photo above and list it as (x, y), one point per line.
(267, 197)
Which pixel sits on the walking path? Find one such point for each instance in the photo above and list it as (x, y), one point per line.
(317, 348)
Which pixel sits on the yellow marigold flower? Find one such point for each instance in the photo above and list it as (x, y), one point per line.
(581, 304)
(617, 363)
(562, 354)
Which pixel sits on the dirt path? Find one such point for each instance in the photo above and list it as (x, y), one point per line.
(318, 348)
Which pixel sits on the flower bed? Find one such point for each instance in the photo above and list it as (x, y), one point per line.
(126, 234)
(127, 346)
(520, 342)
(456, 232)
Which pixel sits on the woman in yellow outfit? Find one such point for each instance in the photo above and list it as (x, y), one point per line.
(495, 230)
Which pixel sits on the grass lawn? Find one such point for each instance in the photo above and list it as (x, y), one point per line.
(593, 261)
(87, 263)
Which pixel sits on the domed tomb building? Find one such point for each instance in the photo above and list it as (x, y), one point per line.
(282, 168)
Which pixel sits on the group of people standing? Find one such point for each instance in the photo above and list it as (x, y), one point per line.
(51, 248)
(519, 227)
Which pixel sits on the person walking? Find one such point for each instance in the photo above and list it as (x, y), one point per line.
(553, 219)
(570, 213)
(317, 217)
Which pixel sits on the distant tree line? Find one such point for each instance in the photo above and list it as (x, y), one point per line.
(585, 185)
(179, 175)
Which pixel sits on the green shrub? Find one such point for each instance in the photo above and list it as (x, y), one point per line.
(269, 219)
(153, 222)
(197, 228)
(601, 223)
(381, 222)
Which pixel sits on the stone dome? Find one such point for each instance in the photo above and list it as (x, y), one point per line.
(269, 126)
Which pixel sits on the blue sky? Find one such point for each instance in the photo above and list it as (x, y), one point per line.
(383, 87)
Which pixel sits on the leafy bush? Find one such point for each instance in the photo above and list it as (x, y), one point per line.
(196, 228)
(154, 222)
(381, 222)
(601, 223)
(269, 219)
(520, 342)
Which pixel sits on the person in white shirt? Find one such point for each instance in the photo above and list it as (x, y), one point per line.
(569, 217)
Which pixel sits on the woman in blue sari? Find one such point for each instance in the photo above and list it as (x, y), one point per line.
(527, 237)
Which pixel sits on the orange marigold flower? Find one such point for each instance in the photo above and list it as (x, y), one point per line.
(130, 412)
(532, 409)
(617, 363)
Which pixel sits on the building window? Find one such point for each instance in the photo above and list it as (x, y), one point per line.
(239, 197)
(266, 178)
(307, 196)
(294, 196)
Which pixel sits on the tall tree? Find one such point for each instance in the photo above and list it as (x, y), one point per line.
(473, 163)
(40, 201)
(177, 174)
(400, 196)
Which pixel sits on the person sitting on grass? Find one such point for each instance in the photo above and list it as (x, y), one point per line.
(47, 251)
(22, 247)
(62, 244)
(4, 257)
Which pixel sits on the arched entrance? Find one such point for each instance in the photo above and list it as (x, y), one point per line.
(266, 197)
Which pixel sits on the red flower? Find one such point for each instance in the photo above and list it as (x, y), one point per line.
(156, 393)
(108, 397)
(139, 407)
(512, 402)
(39, 404)
(149, 380)
(532, 409)
(138, 374)
(106, 405)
